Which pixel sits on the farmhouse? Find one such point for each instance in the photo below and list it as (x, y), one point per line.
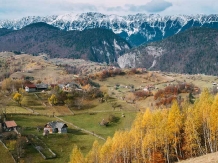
(9, 125)
(29, 86)
(42, 86)
(55, 127)
(71, 86)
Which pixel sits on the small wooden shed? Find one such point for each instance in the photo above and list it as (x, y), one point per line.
(9, 125)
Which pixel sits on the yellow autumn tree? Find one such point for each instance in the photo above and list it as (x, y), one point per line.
(106, 152)
(192, 146)
(53, 99)
(137, 133)
(203, 108)
(164, 135)
(174, 127)
(213, 124)
(94, 155)
(18, 98)
(76, 156)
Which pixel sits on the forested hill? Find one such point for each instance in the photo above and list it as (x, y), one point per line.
(164, 135)
(98, 45)
(193, 51)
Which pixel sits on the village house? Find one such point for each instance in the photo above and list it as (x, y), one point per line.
(42, 86)
(9, 125)
(55, 127)
(29, 86)
(71, 86)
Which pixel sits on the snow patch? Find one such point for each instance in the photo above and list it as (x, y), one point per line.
(116, 46)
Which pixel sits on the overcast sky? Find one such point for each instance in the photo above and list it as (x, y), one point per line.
(15, 9)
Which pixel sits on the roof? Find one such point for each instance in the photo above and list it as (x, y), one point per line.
(73, 84)
(56, 124)
(10, 124)
(30, 85)
(42, 86)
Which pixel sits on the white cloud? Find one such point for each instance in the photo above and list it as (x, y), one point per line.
(192, 7)
(157, 6)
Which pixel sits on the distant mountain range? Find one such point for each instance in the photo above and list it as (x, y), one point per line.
(99, 45)
(136, 29)
(193, 51)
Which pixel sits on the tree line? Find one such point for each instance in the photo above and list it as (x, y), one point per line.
(163, 135)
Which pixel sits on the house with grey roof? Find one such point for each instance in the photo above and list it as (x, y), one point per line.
(42, 86)
(71, 86)
(55, 127)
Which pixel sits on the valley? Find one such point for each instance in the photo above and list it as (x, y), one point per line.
(109, 102)
(92, 87)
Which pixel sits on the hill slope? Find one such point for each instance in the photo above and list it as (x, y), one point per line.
(98, 45)
(193, 51)
(209, 158)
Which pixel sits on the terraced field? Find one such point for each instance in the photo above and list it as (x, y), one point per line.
(5, 154)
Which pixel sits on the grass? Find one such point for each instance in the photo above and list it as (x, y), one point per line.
(17, 110)
(91, 122)
(136, 79)
(61, 144)
(96, 106)
(62, 110)
(31, 121)
(30, 99)
(39, 143)
(5, 155)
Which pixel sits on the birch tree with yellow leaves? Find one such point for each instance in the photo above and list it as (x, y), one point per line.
(76, 156)
(166, 135)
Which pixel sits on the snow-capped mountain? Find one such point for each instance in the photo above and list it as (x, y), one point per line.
(137, 29)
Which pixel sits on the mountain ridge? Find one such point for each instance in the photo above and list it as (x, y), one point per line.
(99, 45)
(136, 29)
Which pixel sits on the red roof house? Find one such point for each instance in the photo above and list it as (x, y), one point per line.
(29, 86)
(9, 125)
